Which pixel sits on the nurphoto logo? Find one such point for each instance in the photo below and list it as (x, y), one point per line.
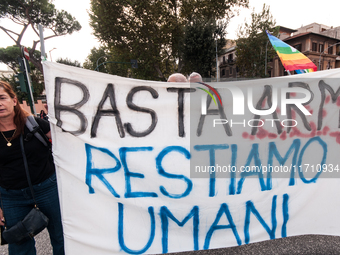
(238, 98)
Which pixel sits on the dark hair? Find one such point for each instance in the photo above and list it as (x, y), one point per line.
(20, 114)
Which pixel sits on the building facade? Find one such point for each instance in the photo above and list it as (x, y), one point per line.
(321, 49)
(227, 66)
(320, 43)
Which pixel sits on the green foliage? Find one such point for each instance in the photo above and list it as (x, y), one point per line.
(199, 45)
(30, 14)
(253, 42)
(99, 56)
(9, 56)
(101, 60)
(68, 62)
(152, 31)
(37, 83)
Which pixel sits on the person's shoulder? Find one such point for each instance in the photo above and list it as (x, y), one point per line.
(44, 124)
(41, 121)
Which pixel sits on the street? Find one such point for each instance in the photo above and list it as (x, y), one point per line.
(302, 245)
(42, 244)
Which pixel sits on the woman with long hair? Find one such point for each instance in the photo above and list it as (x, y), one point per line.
(16, 198)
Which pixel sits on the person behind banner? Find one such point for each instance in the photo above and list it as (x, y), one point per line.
(16, 198)
(43, 115)
(177, 77)
(195, 77)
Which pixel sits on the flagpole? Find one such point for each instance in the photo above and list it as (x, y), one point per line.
(265, 65)
(42, 42)
(30, 88)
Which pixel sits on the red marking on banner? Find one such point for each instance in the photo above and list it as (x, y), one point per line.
(309, 108)
(293, 115)
(283, 136)
(337, 135)
(298, 133)
(313, 126)
(325, 130)
(272, 136)
(328, 98)
(338, 101)
(295, 132)
(261, 133)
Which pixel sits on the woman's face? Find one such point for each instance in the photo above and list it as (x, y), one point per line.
(6, 104)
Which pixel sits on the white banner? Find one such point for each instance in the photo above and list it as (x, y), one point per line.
(155, 167)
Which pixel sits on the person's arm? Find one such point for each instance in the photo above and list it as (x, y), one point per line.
(45, 127)
(49, 135)
(2, 218)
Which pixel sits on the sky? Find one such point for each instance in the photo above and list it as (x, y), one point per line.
(289, 13)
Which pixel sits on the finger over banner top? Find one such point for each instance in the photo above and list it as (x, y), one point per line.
(155, 167)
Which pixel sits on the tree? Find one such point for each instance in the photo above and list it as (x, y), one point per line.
(97, 56)
(152, 31)
(31, 13)
(37, 80)
(69, 62)
(199, 45)
(253, 43)
(9, 56)
(102, 59)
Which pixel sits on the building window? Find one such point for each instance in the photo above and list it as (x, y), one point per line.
(329, 66)
(298, 47)
(223, 72)
(314, 46)
(321, 47)
(230, 57)
(230, 70)
(330, 50)
(223, 59)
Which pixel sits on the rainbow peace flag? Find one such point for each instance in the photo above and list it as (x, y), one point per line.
(291, 58)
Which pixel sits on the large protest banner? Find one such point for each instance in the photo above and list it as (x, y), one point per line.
(155, 167)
